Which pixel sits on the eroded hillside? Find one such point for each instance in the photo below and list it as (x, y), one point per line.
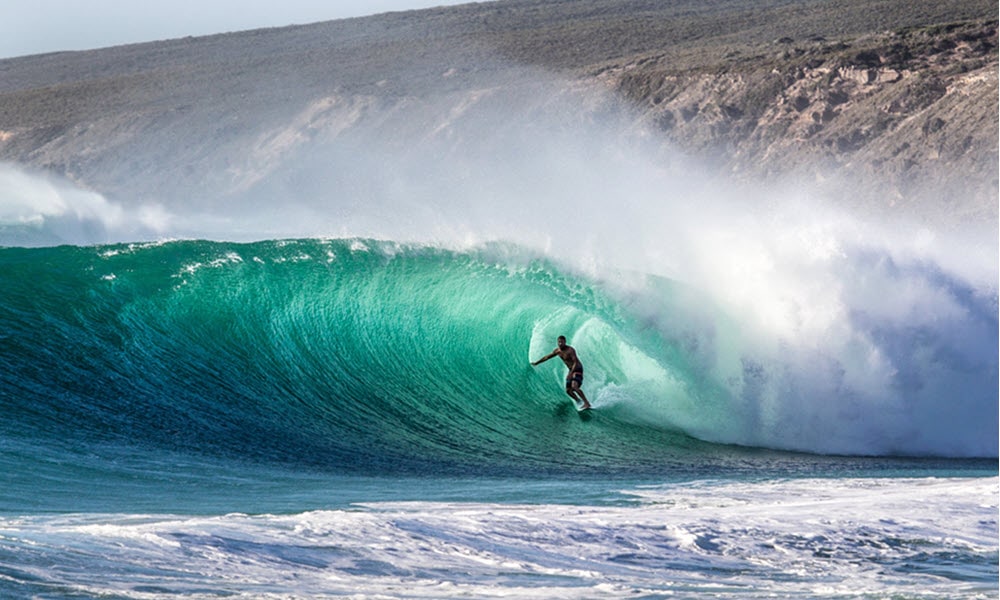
(889, 104)
(913, 109)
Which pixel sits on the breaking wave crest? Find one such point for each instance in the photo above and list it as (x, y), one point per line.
(374, 355)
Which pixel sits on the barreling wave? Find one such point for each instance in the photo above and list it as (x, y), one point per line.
(356, 354)
(361, 355)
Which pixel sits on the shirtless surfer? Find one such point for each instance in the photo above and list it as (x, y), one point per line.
(575, 376)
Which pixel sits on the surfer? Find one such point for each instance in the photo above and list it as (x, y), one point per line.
(574, 379)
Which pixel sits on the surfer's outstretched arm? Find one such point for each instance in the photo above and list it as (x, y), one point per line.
(545, 358)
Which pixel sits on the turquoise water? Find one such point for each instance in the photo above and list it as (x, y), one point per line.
(323, 418)
(335, 355)
(374, 356)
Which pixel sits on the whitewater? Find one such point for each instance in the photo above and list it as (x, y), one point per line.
(321, 386)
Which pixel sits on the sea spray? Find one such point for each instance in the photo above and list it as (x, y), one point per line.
(745, 314)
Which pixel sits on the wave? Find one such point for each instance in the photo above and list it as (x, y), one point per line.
(364, 355)
(350, 353)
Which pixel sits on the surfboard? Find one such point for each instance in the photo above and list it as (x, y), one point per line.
(563, 410)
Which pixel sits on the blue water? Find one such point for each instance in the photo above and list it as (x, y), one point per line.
(325, 417)
(793, 398)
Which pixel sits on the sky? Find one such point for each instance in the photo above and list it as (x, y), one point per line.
(37, 26)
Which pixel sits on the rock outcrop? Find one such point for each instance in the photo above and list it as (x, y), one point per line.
(913, 111)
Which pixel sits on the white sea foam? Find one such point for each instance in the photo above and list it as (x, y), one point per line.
(829, 538)
(40, 209)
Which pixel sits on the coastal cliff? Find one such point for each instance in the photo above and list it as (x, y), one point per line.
(891, 104)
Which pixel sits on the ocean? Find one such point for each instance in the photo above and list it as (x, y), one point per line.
(306, 372)
(358, 417)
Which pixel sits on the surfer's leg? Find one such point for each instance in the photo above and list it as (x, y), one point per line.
(573, 391)
(573, 388)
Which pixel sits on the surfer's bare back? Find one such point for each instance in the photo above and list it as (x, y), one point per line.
(574, 379)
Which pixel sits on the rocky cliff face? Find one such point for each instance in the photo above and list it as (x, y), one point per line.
(901, 117)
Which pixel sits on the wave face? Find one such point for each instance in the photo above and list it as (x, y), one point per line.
(353, 354)
(360, 355)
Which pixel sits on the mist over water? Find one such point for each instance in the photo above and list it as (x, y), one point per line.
(806, 327)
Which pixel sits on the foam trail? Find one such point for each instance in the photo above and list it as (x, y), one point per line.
(831, 538)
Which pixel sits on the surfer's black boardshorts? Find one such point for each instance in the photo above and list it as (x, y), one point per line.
(576, 376)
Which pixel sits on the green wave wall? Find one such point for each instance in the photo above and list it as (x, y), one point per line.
(351, 354)
(370, 356)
